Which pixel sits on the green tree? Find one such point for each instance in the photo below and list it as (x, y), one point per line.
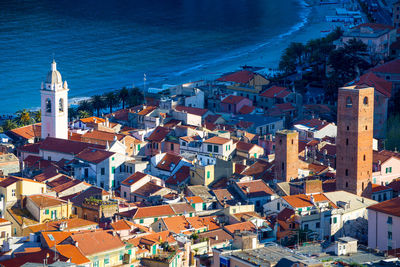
(111, 99)
(392, 141)
(123, 95)
(85, 105)
(9, 125)
(98, 103)
(37, 116)
(23, 117)
(83, 114)
(135, 97)
(72, 113)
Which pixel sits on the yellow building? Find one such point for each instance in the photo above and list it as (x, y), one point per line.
(13, 188)
(46, 208)
(5, 230)
(201, 175)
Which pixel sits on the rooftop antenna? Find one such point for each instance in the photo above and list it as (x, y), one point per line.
(144, 87)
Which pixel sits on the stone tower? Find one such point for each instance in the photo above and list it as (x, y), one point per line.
(54, 105)
(355, 120)
(286, 155)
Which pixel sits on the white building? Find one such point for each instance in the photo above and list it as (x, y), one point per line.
(54, 105)
(218, 146)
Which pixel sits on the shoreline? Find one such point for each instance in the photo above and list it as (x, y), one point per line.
(266, 54)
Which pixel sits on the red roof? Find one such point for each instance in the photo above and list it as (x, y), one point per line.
(375, 26)
(169, 161)
(192, 110)
(34, 257)
(66, 146)
(246, 109)
(233, 99)
(242, 76)
(28, 132)
(158, 134)
(180, 176)
(243, 146)
(137, 176)
(31, 148)
(94, 155)
(391, 207)
(370, 79)
(255, 188)
(275, 91)
(389, 67)
(378, 188)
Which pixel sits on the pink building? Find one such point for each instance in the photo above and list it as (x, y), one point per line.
(233, 104)
(385, 167)
(384, 225)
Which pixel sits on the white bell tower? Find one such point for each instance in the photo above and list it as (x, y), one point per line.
(54, 105)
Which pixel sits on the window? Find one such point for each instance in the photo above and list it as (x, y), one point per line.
(347, 184)
(306, 226)
(365, 101)
(113, 170)
(216, 149)
(209, 148)
(389, 220)
(106, 260)
(364, 158)
(124, 194)
(366, 127)
(120, 168)
(121, 255)
(278, 206)
(61, 105)
(172, 146)
(390, 235)
(334, 220)
(347, 173)
(49, 158)
(349, 103)
(48, 105)
(13, 192)
(46, 211)
(183, 143)
(155, 219)
(208, 174)
(347, 141)
(317, 225)
(348, 128)
(141, 221)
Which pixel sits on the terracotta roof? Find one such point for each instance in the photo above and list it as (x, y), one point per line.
(243, 226)
(242, 76)
(298, 201)
(169, 161)
(246, 109)
(158, 134)
(275, 91)
(239, 168)
(71, 225)
(59, 180)
(395, 185)
(216, 236)
(154, 211)
(94, 155)
(383, 155)
(31, 148)
(257, 169)
(329, 185)
(224, 196)
(378, 188)
(375, 26)
(392, 67)
(137, 176)
(217, 140)
(243, 146)
(285, 107)
(91, 191)
(120, 115)
(181, 224)
(43, 201)
(233, 99)
(391, 207)
(156, 238)
(192, 110)
(13, 179)
(195, 199)
(28, 132)
(212, 118)
(54, 238)
(255, 188)
(66, 146)
(370, 79)
(285, 214)
(182, 208)
(330, 149)
(92, 120)
(48, 173)
(94, 242)
(147, 189)
(33, 257)
(172, 123)
(68, 185)
(102, 135)
(73, 253)
(180, 176)
(147, 110)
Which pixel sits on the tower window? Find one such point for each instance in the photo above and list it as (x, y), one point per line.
(348, 127)
(349, 103)
(364, 157)
(347, 184)
(280, 141)
(347, 141)
(365, 101)
(366, 127)
(283, 166)
(347, 172)
(61, 105)
(292, 141)
(48, 105)
(362, 185)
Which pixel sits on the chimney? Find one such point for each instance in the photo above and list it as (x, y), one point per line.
(216, 238)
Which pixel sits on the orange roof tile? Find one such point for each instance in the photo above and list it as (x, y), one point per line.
(73, 253)
(93, 120)
(154, 211)
(217, 140)
(43, 201)
(195, 199)
(94, 242)
(29, 131)
(243, 226)
(137, 176)
(71, 225)
(169, 161)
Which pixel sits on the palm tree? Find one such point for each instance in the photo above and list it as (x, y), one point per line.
(111, 100)
(85, 105)
(9, 125)
(23, 117)
(135, 97)
(72, 113)
(37, 116)
(83, 114)
(123, 95)
(98, 103)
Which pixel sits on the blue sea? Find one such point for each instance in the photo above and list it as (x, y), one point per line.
(105, 45)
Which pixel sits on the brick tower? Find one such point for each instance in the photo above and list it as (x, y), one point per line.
(286, 155)
(354, 139)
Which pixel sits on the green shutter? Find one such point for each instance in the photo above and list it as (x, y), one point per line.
(141, 221)
(113, 170)
(208, 174)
